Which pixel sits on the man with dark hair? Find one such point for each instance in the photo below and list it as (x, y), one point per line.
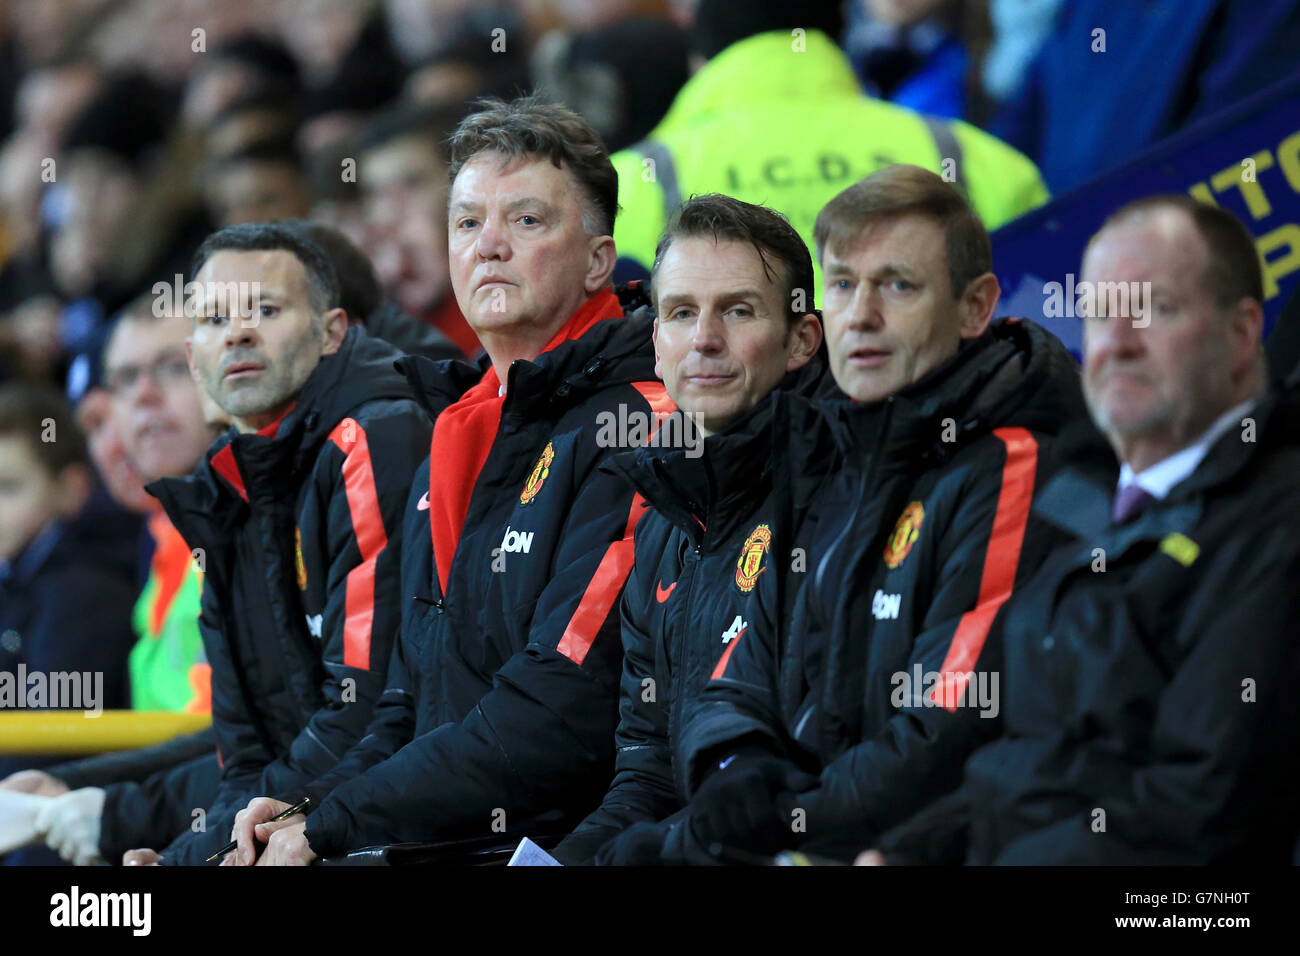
(797, 129)
(502, 697)
(254, 117)
(402, 171)
(733, 287)
(1151, 662)
(886, 676)
(246, 65)
(295, 514)
(322, 283)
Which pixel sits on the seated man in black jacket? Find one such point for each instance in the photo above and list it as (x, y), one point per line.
(502, 695)
(132, 799)
(887, 674)
(1151, 664)
(294, 514)
(733, 285)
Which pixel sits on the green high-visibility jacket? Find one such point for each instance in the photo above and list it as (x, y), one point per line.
(779, 119)
(168, 668)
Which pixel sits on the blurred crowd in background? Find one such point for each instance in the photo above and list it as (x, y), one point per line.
(132, 128)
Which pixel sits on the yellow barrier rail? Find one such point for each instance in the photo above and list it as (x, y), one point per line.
(75, 732)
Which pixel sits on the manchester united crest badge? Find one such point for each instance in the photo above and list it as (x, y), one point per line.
(904, 534)
(750, 564)
(297, 559)
(538, 475)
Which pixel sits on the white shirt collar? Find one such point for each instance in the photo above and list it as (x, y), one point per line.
(1160, 478)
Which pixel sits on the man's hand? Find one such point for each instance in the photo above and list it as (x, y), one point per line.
(288, 845)
(870, 858)
(70, 824)
(142, 857)
(253, 826)
(742, 804)
(641, 844)
(36, 782)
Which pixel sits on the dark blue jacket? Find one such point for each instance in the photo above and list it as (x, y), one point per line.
(65, 606)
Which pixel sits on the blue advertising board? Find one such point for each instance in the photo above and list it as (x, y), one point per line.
(1245, 159)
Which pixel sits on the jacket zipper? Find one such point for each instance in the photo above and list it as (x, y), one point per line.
(868, 475)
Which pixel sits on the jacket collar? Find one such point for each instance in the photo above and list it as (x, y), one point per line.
(706, 488)
(361, 371)
(1079, 498)
(1274, 417)
(1017, 373)
(204, 504)
(611, 351)
(27, 562)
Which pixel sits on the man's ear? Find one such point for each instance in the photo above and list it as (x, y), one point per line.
(977, 304)
(1246, 332)
(806, 339)
(600, 263)
(336, 327)
(654, 337)
(194, 369)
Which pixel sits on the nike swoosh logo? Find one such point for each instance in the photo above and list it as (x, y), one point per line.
(423, 503)
(662, 593)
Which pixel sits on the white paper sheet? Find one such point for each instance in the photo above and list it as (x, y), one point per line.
(528, 853)
(18, 819)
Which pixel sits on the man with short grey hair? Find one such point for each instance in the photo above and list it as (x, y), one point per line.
(502, 696)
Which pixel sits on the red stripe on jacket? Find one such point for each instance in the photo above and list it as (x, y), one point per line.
(1001, 559)
(611, 574)
(602, 591)
(368, 526)
(223, 462)
(721, 667)
(661, 404)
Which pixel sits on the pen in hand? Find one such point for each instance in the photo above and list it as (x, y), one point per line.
(280, 817)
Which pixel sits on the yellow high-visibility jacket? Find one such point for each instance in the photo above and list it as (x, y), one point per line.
(779, 119)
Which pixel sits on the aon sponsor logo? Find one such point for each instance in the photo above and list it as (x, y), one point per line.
(884, 607)
(516, 542)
